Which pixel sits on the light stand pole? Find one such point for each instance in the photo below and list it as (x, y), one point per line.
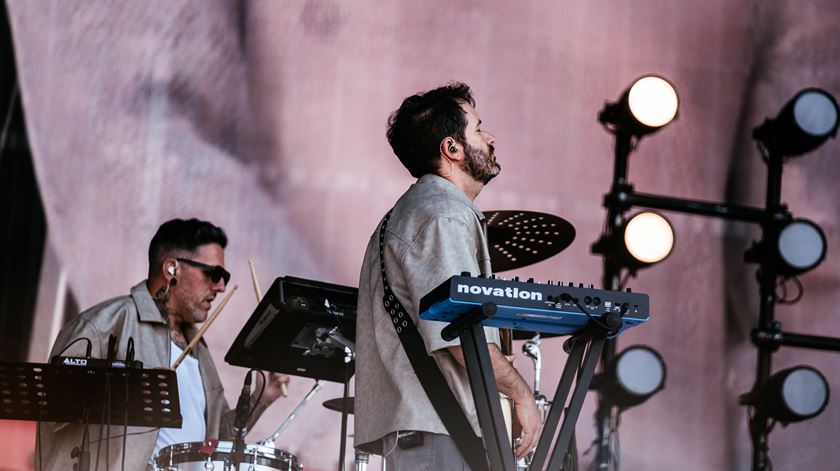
(767, 275)
(611, 281)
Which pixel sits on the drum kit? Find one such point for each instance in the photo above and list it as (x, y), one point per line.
(214, 456)
(515, 239)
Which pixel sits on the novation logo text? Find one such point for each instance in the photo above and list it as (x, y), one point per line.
(513, 293)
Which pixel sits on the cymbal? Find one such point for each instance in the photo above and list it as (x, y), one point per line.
(520, 238)
(335, 404)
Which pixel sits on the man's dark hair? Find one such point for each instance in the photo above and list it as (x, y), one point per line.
(179, 236)
(416, 129)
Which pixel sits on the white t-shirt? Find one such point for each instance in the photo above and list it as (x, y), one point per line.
(191, 395)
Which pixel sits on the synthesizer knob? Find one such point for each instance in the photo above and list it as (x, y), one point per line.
(493, 276)
(515, 278)
(591, 286)
(628, 290)
(530, 280)
(482, 275)
(465, 273)
(580, 285)
(549, 282)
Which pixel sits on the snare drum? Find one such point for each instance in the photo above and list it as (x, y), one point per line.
(199, 456)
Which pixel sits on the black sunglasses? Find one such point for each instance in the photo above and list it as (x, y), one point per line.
(214, 272)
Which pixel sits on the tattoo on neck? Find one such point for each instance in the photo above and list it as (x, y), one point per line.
(161, 298)
(179, 339)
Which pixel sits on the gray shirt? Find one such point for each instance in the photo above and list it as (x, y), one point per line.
(434, 233)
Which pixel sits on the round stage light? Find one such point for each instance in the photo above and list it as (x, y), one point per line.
(794, 394)
(803, 124)
(634, 375)
(653, 101)
(648, 105)
(815, 112)
(648, 237)
(801, 246)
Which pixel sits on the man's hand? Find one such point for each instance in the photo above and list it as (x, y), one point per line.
(277, 386)
(527, 418)
(512, 385)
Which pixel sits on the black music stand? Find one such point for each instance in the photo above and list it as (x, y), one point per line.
(62, 393)
(83, 394)
(486, 395)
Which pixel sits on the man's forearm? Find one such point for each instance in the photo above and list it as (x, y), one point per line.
(508, 380)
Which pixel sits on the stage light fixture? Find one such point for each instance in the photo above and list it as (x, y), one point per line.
(801, 246)
(792, 395)
(634, 375)
(803, 124)
(645, 107)
(648, 238)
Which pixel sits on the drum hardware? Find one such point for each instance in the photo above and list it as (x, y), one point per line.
(269, 441)
(362, 460)
(531, 349)
(329, 340)
(340, 404)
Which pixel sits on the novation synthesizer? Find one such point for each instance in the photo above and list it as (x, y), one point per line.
(527, 305)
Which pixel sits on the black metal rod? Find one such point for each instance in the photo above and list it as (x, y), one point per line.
(453, 330)
(703, 208)
(759, 424)
(611, 281)
(558, 455)
(776, 339)
(567, 377)
(486, 397)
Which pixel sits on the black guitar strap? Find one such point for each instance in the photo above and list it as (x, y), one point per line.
(429, 374)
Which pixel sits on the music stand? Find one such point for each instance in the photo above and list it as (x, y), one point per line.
(300, 327)
(63, 393)
(78, 393)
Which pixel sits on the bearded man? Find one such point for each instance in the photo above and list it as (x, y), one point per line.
(433, 232)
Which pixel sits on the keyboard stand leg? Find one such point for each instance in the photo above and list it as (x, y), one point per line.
(584, 373)
(596, 346)
(486, 397)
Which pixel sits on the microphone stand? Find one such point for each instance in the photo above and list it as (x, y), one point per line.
(240, 425)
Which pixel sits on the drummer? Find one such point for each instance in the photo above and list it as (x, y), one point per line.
(186, 273)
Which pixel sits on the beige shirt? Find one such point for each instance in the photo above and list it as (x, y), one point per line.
(434, 233)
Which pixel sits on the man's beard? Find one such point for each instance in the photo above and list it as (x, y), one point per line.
(480, 165)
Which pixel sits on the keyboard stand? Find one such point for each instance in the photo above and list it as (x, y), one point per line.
(586, 345)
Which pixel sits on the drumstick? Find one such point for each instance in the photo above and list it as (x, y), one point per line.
(254, 279)
(284, 390)
(204, 327)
